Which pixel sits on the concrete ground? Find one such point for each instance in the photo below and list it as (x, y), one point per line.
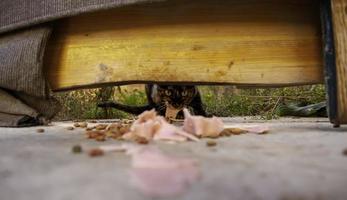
(298, 159)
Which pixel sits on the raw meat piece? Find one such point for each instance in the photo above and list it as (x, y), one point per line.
(150, 126)
(257, 129)
(202, 126)
(160, 175)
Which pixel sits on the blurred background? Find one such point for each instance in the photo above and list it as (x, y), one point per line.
(222, 101)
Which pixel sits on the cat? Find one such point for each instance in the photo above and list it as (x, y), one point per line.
(161, 96)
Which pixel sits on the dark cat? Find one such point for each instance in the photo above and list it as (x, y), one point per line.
(162, 96)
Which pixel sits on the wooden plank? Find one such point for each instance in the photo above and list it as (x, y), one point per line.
(254, 42)
(329, 61)
(339, 11)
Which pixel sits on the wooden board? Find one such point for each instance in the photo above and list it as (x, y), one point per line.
(251, 43)
(339, 11)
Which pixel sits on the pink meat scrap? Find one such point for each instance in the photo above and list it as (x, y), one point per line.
(151, 126)
(202, 126)
(158, 175)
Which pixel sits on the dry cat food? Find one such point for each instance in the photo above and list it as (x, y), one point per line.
(40, 130)
(100, 126)
(96, 152)
(149, 126)
(77, 149)
(76, 124)
(104, 131)
(344, 152)
(211, 143)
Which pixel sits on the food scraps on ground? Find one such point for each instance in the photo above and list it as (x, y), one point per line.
(344, 152)
(40, 130)
(211, 143)
(237, 129)
(76, 124)
(149, 126)
(202, 126)
(156, 174)
(96, 152)
(77, 149)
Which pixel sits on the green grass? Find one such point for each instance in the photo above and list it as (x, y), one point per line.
(218, 100)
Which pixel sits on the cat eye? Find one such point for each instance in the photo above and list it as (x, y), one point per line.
(168, 92)
(184, 93)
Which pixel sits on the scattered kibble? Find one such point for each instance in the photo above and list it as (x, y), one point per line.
(236, 131)
(211, 143)
(226, 133)
(141, 140)
(104, 131)
(344, 152)
(76, 124)
(40, 130)
(100, 138)
(70, 128)
(96, 152)
(77, 149)
(100, 126)
(94, 134)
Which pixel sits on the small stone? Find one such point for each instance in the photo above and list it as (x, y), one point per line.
(40, 130)
(89, 128)
(70, 128)
(76, 149)
(96, 152)
(211, 143)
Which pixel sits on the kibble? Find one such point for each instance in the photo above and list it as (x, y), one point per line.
(100, 126)
(40, 130)
(211, 143)
(76, 125)
(70, 128)
(77, 149)
(141, 140)
(96, 152)
(344, 152)
(100, 138)
(236, 131)
(226, 133)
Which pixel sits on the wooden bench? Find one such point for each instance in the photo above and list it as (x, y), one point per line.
(248, 43)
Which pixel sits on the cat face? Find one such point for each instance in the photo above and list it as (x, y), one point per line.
(177, 96)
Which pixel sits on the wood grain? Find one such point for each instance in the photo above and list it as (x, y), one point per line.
(339, 11)
(253, 42)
